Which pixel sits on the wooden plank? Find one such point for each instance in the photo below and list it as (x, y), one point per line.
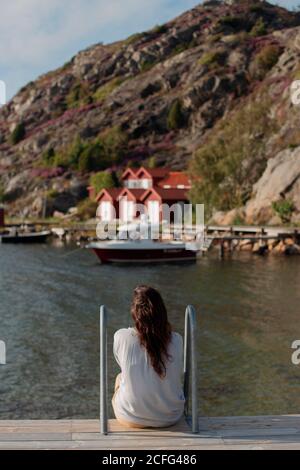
(247, 432)
(180, 427)
(38, 445)
(52, 427)
(258, 433)
(109, 444)
(121, 445)
(29, 436)
(158, 439)
(292, 421)
(95, 445)
(34, 422)
(114, 426)
(259, 441)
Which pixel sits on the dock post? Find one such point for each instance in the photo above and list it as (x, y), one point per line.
(103, 370)
(190, 365)
(296, 236)
(221, 250)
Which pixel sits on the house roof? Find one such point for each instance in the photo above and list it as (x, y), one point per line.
(128, 172)
(171, 177)
(113, 193)
(167, 194)
(136, 193)
(174, 179)
(154, 172)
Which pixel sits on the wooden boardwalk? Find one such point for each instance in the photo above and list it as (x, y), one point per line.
(256, 433)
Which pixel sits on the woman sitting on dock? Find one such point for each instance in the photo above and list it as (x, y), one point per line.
(148, 392)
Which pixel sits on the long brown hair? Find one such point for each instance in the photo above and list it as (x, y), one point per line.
(151, 321)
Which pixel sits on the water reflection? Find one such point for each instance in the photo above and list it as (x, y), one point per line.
(248, 312)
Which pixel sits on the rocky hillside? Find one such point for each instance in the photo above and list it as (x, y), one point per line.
(208, 92)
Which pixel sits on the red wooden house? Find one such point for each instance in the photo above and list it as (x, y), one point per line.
(108, 204)
(128, 200)
(144, 178)
(158, 200)
(151, 187)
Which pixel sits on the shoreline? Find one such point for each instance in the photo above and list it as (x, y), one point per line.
(258, 240)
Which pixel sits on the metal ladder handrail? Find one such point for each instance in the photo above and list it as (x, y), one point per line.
(103, 370)
(189, 368)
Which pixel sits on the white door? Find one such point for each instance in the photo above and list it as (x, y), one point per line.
(153, 212)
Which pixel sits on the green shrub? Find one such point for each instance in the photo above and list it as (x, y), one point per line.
(18, 133)
(266, 59)
(175, 119)
(108, 149)
(152, 163)
(92, 157)
(159, 29)
(95, 155)
(78, 95)
(184, 46)
(293, 146)
(52, 194)
(147, 65)
(74, 96)
(234, 22)
(48, 156)
(224, 169)
(102, 180)
(284, 208)
(115, 143)
(74, 152)
(213, 58)
(214, 38)
(105, 90)
(257, 9)
(259, 29)
(2, 193)
(67, 157)
(61, 159)
(133, 38)
(296, 74)
(87, 209)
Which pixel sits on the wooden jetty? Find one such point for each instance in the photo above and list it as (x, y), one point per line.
(237, 433)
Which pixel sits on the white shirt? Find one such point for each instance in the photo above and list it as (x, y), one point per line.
(143, 397)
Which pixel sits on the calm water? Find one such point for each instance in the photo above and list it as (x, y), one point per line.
(49, 296)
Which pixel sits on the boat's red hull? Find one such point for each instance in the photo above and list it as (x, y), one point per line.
(149, 256)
